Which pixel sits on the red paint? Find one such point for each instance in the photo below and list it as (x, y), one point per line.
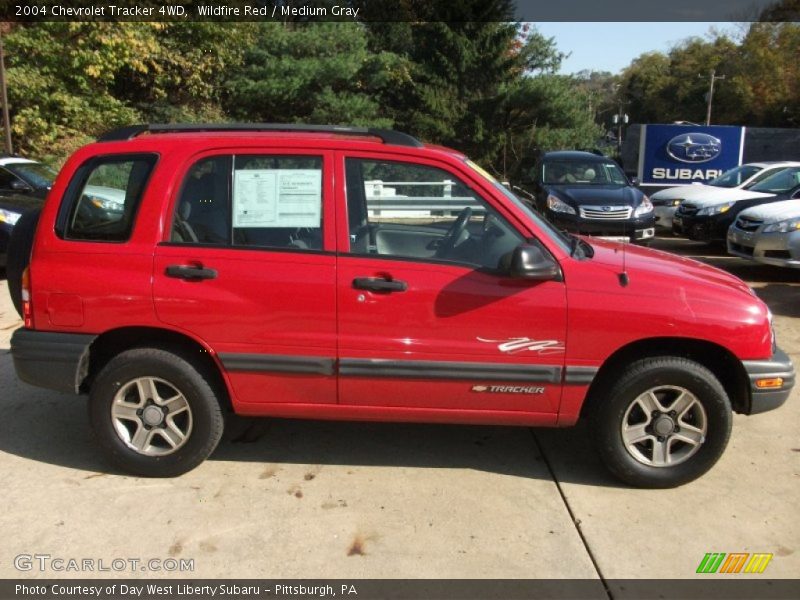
(270, 302)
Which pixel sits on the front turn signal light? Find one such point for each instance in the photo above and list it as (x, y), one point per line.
(771, 383)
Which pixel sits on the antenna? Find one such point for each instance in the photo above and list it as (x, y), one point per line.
(623, 276)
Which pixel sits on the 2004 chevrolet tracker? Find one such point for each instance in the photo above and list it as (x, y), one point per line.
(349, 273)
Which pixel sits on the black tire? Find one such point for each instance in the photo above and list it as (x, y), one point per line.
(18, 257)
(666, 376)
(205, 418)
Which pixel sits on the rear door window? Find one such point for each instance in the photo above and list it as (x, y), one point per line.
(259, 201)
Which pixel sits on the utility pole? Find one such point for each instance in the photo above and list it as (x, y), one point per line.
(620, 120)
(713, 78)
(6, 119)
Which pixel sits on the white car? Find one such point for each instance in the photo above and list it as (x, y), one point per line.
(768, 234)
(718, 190)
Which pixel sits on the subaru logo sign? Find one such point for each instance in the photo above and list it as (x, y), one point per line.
(694, 147)
(680, 154)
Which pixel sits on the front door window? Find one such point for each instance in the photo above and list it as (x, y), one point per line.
(415, 211)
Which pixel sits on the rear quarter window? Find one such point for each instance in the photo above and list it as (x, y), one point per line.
(103, 198)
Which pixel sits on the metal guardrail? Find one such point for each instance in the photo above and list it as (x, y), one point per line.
(445, 202)
(424, 203)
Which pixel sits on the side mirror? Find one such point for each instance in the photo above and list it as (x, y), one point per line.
(530, 262)
(635, 181)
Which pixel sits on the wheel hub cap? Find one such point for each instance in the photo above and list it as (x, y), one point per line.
(664, 425)
(152, 416)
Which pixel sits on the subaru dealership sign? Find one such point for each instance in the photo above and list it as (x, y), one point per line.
(676, 154)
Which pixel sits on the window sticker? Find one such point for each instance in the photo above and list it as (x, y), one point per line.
(277, 198)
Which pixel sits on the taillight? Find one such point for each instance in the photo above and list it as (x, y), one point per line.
(27, 309)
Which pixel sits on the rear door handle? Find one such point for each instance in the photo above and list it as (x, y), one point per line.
(379, 284)
(190, 272)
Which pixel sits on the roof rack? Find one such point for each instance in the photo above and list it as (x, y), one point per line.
(388, 136)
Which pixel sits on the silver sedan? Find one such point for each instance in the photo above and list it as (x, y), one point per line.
(721, 189)
(769, 233)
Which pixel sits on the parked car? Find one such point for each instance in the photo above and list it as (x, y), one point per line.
(709, 220)
(581, 192)
(721, 189)
(23, 186)
(768, 234)
(251, 271)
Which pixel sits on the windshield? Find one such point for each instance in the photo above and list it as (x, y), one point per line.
(551, 232)
(588, 172)
(762, 176)
(780, 182)
(35, 174)
(735, 177)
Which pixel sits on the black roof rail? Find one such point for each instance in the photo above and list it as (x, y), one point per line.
(388, 136)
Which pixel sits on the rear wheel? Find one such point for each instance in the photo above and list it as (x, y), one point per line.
(154, 414)
(665, 422)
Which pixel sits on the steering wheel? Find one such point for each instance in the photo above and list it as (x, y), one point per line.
(455, 232)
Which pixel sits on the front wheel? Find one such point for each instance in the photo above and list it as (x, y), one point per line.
(154, 414)
(665, 422)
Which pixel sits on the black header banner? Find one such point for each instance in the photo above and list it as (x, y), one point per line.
(710, 588)
(402, 10)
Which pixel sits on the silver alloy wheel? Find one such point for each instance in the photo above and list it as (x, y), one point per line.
(151, 416)
(664, 426)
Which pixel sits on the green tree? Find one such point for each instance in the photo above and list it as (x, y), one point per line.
(761, 85)
(538, 114)
(641, 86)
(314, 73)
(184, 76)
(456, 73)
(59, 82)
(769, 74)
(685, 97)
(486, 88)
(70, 82)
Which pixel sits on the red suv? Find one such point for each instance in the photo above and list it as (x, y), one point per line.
(350, 273)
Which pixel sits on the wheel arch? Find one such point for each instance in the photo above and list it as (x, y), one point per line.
(719, 360)
(110, 343)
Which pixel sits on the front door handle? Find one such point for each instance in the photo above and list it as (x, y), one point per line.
(379, 284)
(190, 272)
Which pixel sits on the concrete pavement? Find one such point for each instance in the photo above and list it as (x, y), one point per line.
(288, 499)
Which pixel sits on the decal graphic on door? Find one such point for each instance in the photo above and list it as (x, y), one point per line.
(508, 389)
(523, 344)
